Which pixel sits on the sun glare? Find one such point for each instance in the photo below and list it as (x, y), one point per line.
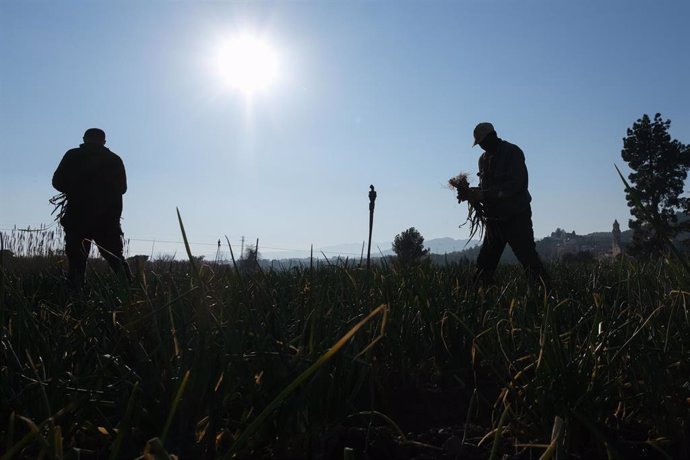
(247, 63)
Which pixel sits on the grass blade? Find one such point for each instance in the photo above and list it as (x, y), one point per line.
(175, 403)
(556, 436)
(192, 261)
(124, 424)
(499, 433)
(263, 416)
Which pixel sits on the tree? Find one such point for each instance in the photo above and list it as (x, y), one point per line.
(409, 247)
(250, 262)
(660, 166)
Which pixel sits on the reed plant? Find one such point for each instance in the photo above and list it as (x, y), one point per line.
(33, 242)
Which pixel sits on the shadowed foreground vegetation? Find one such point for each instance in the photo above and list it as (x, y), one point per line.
(215, 362)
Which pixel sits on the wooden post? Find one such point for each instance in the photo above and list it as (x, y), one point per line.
(372, 200)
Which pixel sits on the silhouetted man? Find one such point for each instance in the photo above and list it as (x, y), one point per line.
(93, 180)
(505, 203)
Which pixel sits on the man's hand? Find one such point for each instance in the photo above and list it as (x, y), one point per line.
(471, 194)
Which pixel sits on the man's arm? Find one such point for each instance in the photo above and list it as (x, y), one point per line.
(475, 195)
(121, 177)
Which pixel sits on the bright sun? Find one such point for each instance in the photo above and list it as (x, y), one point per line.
(247, 63)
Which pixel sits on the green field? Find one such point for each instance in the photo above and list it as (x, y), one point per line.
(338, 362)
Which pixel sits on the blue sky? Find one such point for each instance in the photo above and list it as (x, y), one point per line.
(371, 92)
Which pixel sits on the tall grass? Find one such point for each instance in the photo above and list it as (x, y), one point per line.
(216, 361)
(34, 242)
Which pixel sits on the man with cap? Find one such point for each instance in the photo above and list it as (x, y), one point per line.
(505, 203)
(93, 180)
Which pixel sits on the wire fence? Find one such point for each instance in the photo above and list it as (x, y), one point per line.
(48, 240)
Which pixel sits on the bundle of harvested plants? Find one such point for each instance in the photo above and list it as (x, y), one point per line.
(475, 216)
(58, 201)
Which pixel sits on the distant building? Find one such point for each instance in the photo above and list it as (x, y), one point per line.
(616, 233)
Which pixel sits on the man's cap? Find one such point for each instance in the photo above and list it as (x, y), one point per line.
(481, 131)
(95, 134)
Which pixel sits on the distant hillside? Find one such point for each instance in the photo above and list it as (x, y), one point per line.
(448, 250)
(554, 247)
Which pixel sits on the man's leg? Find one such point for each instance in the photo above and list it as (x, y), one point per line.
(490, 253)
(110, 246)
(77, 247)
(520, 235)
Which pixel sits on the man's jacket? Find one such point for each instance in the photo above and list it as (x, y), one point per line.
(503, 181)
(93, 179)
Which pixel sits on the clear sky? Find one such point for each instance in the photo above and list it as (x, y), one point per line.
(367, 92)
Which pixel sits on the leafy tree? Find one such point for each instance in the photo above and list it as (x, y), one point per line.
(409, 247)
(250, 262)
(660, 166)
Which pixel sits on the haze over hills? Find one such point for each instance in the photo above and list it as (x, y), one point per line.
(554, 246)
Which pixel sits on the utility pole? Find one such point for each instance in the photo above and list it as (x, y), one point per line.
(372, 200)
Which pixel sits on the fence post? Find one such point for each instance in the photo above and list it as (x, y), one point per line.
(372, 200)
